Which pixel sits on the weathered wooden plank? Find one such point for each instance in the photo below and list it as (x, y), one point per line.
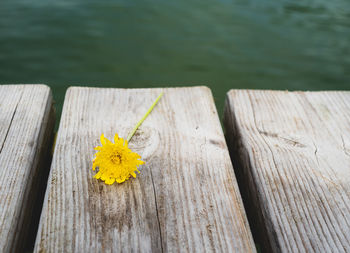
(293, 154)
(26, 126)
(185, 199)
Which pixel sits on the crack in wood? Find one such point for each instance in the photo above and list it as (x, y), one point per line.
(9, 127)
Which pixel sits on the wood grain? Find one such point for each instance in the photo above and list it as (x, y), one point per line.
(26, 126)
(293, 155)
(185, 199)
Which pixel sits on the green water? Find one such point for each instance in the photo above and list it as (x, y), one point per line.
(265, 44)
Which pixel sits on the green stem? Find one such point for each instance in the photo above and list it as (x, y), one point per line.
(131, 134)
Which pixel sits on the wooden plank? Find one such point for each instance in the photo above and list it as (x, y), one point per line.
(26, 126)
(185, 199)
(292, 151)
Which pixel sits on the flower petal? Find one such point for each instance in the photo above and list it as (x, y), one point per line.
(110, 181)
(116, 138)
(98, 175)
(103, 139)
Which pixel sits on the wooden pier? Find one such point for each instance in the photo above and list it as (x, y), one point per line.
(26, 128)
(290, 156)
(185, 199)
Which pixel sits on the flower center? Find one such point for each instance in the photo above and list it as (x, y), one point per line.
(116, 158)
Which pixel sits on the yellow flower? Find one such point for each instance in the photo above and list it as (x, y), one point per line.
(116, 162)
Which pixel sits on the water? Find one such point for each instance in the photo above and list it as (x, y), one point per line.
(224, 44)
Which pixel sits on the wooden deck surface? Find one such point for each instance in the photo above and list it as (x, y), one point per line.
(185, 199)
(292, 151)
(26, 126)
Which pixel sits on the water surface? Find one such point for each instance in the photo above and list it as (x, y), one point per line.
(224, 44)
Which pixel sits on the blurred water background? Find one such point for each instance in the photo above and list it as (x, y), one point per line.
(224, 44)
